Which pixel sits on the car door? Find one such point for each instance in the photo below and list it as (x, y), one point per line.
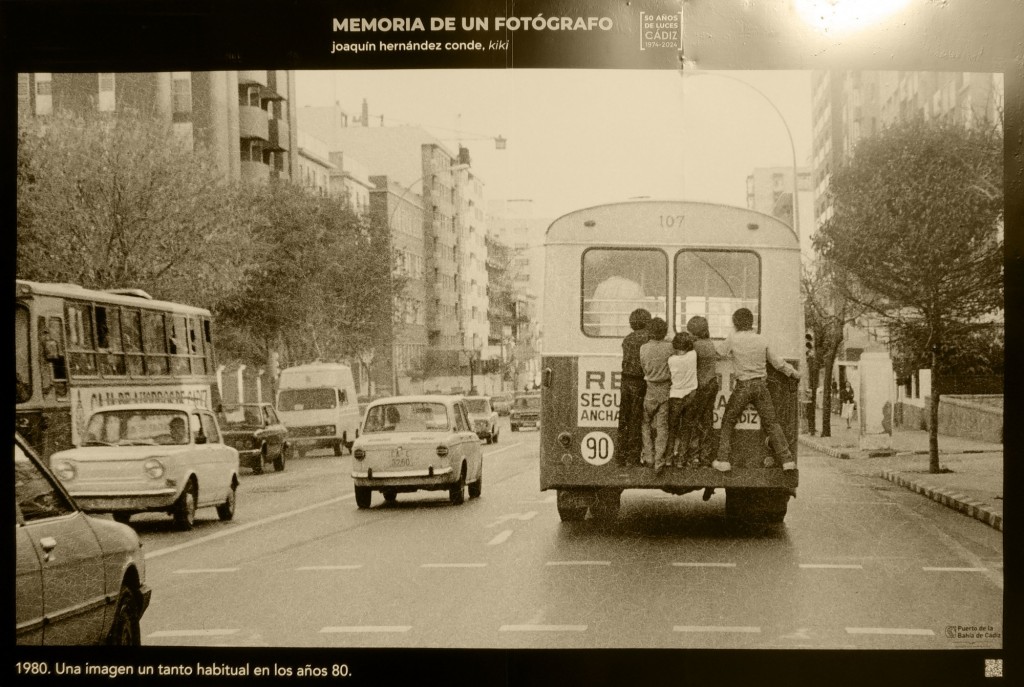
(70, 559)
(274, 430)
(469, 443)
(28, 586)
(222, 460)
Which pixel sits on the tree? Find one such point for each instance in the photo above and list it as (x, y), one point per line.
(111, 200)
(918, 222)
(320, 284)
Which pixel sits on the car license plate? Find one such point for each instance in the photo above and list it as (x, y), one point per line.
(529, 423)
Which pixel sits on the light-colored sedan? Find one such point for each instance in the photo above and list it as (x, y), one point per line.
(151, 457)
(409, 443)
(483, 418)
(80, 580)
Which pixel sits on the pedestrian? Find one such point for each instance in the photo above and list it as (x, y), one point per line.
(701, 414)
(682, 365)
(654, 357)
(750, 354)
(846, 403)
(633, 388)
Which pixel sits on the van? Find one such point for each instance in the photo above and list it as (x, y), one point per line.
(319, 406)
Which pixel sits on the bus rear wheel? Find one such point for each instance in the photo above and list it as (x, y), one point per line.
(759, 506)
(571, 507)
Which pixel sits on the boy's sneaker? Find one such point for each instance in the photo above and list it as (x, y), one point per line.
(789, 465)
(721, 465)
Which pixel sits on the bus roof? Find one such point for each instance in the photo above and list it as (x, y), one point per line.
(702, 220)
(132, 297)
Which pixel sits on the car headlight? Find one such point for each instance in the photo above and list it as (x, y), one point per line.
(154, 468)
(65, 470)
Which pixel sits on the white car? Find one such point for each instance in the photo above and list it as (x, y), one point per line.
(409, 443)
(151, 457)
(482, 418)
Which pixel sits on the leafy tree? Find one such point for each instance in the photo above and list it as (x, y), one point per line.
(918, 222)
(320, 286)
(109, 200)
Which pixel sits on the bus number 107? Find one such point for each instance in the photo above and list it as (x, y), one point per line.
(671, 220)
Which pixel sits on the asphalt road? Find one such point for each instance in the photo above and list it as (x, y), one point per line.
(860, 563)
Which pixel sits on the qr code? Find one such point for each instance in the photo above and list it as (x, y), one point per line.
(993, 667)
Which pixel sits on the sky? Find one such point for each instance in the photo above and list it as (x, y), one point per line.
(583, 137)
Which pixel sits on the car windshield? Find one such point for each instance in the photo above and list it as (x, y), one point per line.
(247, 415)
(477, 405)
(528, 402)
(306, 399)
(137, 428)
(406, 417)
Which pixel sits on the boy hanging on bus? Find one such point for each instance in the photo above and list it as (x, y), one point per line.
(654, 357)
(749, 353)
(683, 367)
(633, 389)
(701, 413)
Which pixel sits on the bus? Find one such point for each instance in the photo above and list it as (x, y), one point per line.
(677, 259)
(79, 349)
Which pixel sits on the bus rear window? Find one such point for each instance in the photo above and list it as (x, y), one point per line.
(617, 281)
(714, 284)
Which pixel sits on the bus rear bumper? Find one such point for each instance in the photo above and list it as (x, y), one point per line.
(689, 479)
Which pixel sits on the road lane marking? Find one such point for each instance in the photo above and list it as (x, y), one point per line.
(542, 628)
(329, 567)
(228, 531)
(454, 565)
(191, 633)
(503, 448)
(203, 571)
(365, 628)
(514, 516)
(715, 628)
(500, 537)
(889, 631)
(578, 563)
(832, 566)
(955, 569)
(704, 565)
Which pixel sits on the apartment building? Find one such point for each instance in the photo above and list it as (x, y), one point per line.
(246, 119)
(770, 190)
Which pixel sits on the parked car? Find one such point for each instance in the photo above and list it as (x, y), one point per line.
(482, 418)
(525, 411)
(151, 457)
(409, 443)
(259, 436)
(79, 579)
(502, 404)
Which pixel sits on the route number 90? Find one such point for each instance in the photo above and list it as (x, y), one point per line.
(597, 448)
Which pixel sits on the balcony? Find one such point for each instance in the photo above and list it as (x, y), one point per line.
(278, 134)
(255, 172)
(252, 122)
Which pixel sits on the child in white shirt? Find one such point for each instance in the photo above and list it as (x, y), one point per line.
(682, 366)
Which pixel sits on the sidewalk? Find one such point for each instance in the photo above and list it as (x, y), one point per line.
(973, 484)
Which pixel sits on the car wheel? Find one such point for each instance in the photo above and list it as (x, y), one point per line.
(185, 508)
(488, 438)
(515, 428)
(390, 495)
(125, 630)
(475, 488)
(363, 496)
(282, 458)
(122, 517)
(494, 436)
(226, 510)
(457, 493)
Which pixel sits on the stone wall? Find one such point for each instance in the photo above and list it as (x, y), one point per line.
(972, 417)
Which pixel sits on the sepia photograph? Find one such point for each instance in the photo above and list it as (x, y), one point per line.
(714, 298)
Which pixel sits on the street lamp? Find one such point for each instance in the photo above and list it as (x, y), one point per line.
(789, 134)
(391, 251)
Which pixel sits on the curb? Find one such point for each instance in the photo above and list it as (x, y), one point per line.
(822, 448)
(959, 502)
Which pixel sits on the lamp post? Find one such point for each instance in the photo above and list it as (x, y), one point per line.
(789, 134)
(391, 250)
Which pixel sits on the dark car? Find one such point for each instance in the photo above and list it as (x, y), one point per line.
(80, 579)
(525, 411)
(502, 404)
(256, 432)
